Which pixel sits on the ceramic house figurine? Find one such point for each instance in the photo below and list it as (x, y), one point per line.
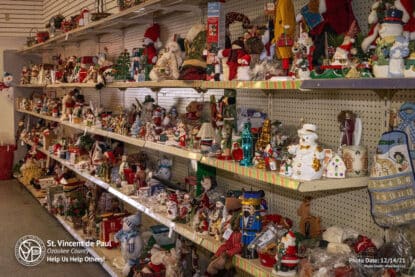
(308, 155)
(287, 258)
(250, 221)
(336, 168)
(131, 242)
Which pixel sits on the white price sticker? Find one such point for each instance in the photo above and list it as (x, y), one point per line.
(227, 234)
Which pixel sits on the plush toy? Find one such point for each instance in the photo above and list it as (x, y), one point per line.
(284, 31)
(379, 12)
(237, 60)
(131, 242)
(151, 43)
(167, 66)
(194, 65)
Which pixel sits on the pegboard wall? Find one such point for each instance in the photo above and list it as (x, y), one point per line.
(344, 207)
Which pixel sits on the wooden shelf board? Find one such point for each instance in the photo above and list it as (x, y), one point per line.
(73, 34)
(270, 177)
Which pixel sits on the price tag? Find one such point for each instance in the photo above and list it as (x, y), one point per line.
(227, 234)
(66, 36)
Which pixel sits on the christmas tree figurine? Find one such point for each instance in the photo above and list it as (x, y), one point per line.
(122, 67)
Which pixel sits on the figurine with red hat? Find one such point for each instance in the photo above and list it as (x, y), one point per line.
(151, 43)
(287, 258)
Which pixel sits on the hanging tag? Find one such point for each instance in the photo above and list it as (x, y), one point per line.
(66, 36)
(227, 234)
(85, 132)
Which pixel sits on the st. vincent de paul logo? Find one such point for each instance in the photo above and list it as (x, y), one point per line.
(30, 250)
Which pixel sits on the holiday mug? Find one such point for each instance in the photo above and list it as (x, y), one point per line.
(355, 158)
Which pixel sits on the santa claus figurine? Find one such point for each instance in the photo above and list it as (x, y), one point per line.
(287, 259)
(238, 61)
(151, 43)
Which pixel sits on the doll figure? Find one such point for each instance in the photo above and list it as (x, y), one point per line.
(308, 155)
(347, 124)
(131, 242)
(250, 221)
(287, 258)
(284, 31)
(135, 128)
(167, 66)
(215, 219)
(68, 103)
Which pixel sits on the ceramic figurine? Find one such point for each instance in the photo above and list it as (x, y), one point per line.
(237, 61)
(302, 56)
(398, 51)
(237, 153)
(250, 221)
(172, 206)
(123, 166)
(287, 258)
(68, 103)
(167, 66)
(286, 168)
(135, 128)
(34, 75)
(148, 107)
(336, 168)
(226, 139)
(355, 158)
(185, 209)
(25, 79)
(308, 155)
(164, 169)
(247, 145)
(131, 242)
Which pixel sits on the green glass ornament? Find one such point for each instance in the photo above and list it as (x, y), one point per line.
(247, 145)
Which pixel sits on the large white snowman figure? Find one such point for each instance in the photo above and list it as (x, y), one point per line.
(131, 242)
(308, 155)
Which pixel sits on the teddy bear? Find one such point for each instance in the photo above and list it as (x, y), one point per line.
(131, 242)
(167, 66)
(308, 155)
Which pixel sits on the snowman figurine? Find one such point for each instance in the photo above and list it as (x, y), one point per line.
(308, 155)
(131, 242)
